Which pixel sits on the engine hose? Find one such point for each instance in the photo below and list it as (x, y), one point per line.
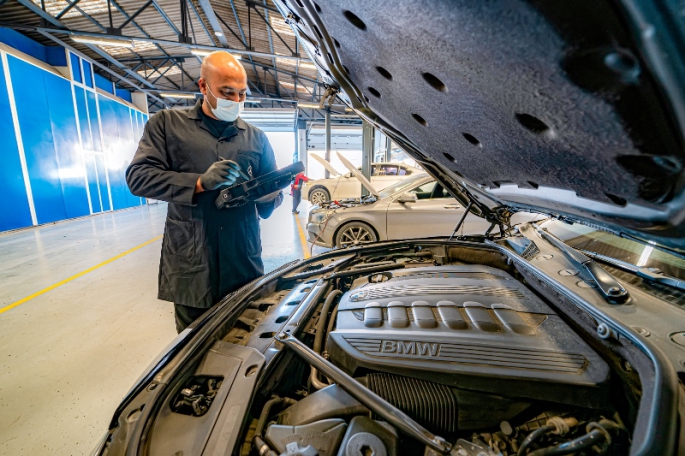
(318, 338)
(599, 433)
(532, 437)
(329, 328)
(258, 442)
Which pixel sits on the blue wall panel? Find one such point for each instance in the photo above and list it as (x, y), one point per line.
(87, 73)
(39, 148)
(91, 172)
(83, 118)
(120, 145)
(14, 204)
(23, 43)
(68, 150)
(75, 67)
(103, 83)
(94, 121)
(101, 167)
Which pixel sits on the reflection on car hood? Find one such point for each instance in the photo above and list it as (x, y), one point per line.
(573, 109)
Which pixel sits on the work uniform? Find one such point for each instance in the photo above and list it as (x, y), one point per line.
(206, 252)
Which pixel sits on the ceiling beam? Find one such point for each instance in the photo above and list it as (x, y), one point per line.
(213, 21)
(101, 66)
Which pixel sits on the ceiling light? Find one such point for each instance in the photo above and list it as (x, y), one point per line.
(102, 41)
(177, 95)
(308, 105)
(138, 47)
(218, 34)
(254, 101)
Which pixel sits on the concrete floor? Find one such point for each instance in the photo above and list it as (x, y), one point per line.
(69, 355)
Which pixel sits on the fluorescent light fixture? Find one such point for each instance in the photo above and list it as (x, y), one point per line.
(177, 95)
(102, 41)
(205, 52)
(138, 46)
(308, 105)
(254, 101)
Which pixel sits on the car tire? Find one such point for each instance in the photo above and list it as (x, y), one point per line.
(319, 195)
(355, 233)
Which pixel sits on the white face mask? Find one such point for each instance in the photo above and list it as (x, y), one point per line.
(226, 110)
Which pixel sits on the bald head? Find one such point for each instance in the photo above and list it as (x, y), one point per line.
(222, 76)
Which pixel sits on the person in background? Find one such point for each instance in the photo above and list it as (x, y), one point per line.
(296, 190)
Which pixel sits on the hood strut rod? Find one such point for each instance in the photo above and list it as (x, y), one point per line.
(367, 397)
(461, 220)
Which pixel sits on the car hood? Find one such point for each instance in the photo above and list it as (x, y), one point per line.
(573, 109)
(360, 177)
(326, 164)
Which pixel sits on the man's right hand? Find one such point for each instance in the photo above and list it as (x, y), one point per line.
(224, 172)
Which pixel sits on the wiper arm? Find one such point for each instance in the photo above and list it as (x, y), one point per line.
(612, 290)
(650, 274)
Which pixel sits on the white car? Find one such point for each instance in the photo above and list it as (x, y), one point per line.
(418, 206)
(341, 186)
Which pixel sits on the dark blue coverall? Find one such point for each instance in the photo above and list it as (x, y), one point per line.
(206, 252)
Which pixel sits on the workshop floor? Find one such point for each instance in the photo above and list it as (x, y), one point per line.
(80, 321)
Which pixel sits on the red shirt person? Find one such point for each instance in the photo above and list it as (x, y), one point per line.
(296, 190)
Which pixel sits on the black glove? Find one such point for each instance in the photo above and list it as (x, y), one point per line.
(224, 172)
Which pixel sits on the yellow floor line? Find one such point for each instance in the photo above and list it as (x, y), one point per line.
(74, 277)
(303, 238)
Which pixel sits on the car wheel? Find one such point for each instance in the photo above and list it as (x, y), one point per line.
(355, 233)
(319, 195)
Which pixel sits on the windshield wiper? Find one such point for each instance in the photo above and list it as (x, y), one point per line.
(651, 274)
(612, 290)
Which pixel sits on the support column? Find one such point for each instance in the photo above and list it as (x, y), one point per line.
(388, 149)
(302, 149)
(327, 156)
(367, 152)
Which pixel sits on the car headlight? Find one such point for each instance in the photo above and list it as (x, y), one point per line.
(320, 217)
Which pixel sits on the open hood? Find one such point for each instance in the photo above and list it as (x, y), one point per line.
(355, 172)
(326, 164)
(571, 108)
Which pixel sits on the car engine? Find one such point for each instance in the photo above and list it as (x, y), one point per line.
(420, 349)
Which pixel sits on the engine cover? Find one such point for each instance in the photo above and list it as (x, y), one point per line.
(470, 327)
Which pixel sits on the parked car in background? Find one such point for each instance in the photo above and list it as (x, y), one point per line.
(341, 186)
(416, 207)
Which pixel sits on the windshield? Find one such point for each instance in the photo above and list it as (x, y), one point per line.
(401, 186)
(642, 255)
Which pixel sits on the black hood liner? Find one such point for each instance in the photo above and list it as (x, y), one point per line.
(537, 94)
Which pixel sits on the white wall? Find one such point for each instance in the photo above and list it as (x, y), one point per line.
(283, 144)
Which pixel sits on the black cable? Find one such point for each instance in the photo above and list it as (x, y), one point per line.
(572, 446)
(532, 437)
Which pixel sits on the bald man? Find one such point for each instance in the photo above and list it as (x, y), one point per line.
(185, 157)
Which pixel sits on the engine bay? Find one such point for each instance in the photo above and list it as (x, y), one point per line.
(418, 349)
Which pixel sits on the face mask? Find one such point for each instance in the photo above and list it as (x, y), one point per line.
(226, 110)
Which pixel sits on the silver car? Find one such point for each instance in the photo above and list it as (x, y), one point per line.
(415, 207)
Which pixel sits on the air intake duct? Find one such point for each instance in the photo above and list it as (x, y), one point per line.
(432, 405)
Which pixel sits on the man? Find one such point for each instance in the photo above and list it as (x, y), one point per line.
(296, 190)
(184, 157)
